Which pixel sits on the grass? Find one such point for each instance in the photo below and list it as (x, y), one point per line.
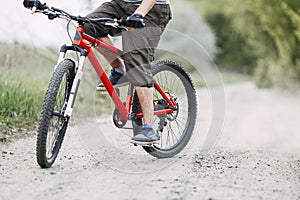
(20, 106)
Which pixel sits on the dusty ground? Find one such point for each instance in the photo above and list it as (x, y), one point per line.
(257, 157)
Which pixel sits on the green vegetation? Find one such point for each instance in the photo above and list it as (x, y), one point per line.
(24, 77)
(22, 71)
(257, 37)
(19, 107)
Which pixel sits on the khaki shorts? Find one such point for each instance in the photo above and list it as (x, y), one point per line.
(139, 44)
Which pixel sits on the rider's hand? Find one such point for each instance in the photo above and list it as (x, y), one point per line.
(135, 21)
(33, 5)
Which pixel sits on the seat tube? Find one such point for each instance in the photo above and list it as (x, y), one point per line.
(130, 92)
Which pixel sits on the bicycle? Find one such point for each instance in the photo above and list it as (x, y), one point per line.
(175, 99)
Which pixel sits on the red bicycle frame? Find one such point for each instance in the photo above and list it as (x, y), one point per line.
(86, 43)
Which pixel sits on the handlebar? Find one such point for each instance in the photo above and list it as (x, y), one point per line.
(53, 13)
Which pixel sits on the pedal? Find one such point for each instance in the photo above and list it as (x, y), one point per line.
(135, 143)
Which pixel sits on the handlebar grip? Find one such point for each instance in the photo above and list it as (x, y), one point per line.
(34, 3)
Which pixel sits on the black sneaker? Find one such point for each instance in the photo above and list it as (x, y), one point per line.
(117, 80)
(146, 137)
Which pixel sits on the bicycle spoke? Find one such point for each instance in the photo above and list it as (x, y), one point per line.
(51, 140)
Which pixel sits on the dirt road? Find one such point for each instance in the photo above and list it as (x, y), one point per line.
(257, 157)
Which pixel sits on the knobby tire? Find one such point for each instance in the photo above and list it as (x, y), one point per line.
(52, 123)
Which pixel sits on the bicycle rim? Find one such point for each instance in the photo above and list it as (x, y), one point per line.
(53, 125)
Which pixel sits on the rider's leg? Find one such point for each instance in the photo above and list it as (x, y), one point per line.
(145, 96)
(138, 50)
(148, 135)
(117, 76)
(139, 46)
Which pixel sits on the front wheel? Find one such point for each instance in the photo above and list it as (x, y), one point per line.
(53, 124)
(176, 128)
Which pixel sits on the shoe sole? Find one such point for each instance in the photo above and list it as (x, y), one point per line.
(144, 143)
(103, 89)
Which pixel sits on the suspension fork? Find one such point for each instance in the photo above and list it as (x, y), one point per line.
(75, 86)
(79, 66)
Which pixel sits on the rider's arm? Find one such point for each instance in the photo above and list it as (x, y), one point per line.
(145, 7)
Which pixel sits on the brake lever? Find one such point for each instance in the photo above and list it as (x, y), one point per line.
(52, 16)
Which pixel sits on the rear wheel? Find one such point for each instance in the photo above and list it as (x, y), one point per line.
(176, 128)
(53, 124)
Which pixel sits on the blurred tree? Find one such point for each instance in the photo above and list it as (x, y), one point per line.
(264, 34)
(276, 26)
(190, 36)
(234, 51)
